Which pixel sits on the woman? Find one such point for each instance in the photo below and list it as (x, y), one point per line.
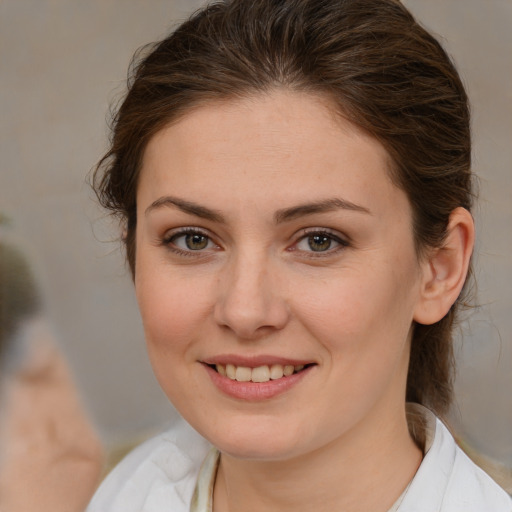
(295, 183)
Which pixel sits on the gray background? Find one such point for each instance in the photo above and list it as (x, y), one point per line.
(63, 62)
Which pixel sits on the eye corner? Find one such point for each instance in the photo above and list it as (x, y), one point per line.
(190, 241)
(319, 242)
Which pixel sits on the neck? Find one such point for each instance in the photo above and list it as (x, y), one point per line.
(365, 470)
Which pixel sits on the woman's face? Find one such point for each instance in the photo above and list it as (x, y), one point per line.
(270, 240)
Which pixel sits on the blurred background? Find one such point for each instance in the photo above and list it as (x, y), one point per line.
(63, 62)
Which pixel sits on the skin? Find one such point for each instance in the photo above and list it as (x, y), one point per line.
(257, 289)
(50, 456)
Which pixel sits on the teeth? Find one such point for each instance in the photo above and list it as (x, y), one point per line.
(231, 371)
(288, 370)
(276, 371)
(258, 374)
(243, 374)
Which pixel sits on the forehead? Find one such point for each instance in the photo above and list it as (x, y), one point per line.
(295, 143)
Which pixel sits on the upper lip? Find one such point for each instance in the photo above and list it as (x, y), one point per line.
(254, 361)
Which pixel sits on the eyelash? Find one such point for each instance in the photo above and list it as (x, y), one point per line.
(322, 232)
(170, 239)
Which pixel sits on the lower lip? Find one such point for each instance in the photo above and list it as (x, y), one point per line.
(255, 391)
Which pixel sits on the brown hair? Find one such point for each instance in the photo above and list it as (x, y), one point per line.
(382, 70)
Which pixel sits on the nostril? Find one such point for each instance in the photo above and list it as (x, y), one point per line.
(249, 301)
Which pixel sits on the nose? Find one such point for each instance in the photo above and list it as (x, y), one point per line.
(251, 300)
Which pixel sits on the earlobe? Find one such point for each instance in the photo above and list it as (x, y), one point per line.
(445, 269)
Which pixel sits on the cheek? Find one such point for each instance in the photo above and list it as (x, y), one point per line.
(171, 311)
(363, 314)
(173, 320)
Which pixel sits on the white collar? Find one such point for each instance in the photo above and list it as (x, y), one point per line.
(422, 426)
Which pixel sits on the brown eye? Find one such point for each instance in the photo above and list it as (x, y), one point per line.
(190, 241)
(319, 242)
(196, 242)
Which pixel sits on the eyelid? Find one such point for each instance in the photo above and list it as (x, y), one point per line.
(184, 230)
(167, 240)
(342, 240)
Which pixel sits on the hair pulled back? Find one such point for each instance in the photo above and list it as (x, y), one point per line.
(375, 63)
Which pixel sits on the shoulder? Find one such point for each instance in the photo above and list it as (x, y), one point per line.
(158, 475)
(469, 488)
(448, 481)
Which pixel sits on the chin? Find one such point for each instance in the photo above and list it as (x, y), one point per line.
(253, 438)
(258, 450)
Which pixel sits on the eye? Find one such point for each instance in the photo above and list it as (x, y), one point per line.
(194, 241)
(189, 240)
(317, 243)
(320, 242)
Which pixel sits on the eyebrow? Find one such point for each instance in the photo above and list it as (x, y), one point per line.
(187, 207)
(328, 205)
(284, 215)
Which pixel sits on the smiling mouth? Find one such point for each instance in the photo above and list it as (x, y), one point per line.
(264, 373)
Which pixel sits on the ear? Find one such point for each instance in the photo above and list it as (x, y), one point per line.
(445, 269)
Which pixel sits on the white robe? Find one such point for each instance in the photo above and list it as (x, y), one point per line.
(161, 476)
